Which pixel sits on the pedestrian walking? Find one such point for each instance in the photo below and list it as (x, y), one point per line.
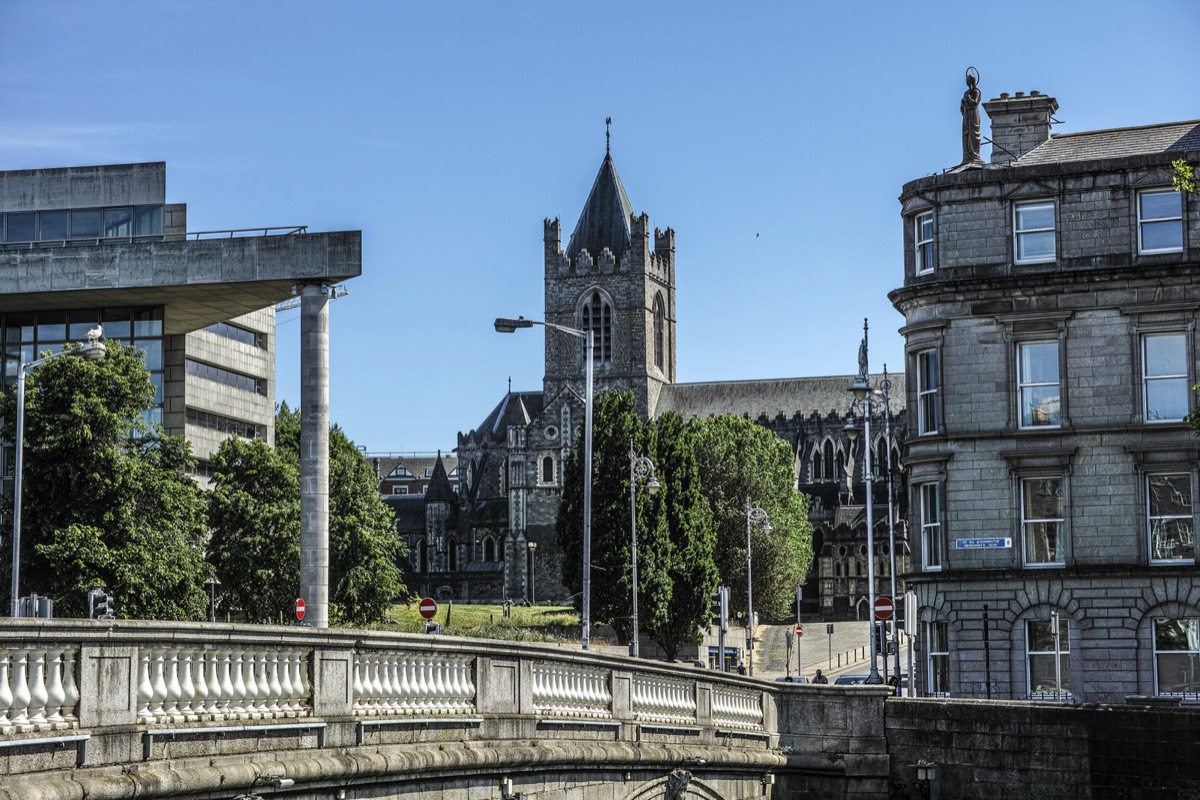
(820, 678)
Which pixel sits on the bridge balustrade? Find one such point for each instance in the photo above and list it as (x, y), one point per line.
(223, 704)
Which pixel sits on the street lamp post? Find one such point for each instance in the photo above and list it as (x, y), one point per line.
(754, 515)
(640, 468)
(860, 388)
(504, 325)
(212, 584)
(885, 387)
(91, 350)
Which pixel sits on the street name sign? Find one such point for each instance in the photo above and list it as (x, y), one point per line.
(982, 544)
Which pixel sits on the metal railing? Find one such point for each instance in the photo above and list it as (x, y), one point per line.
(100, 241)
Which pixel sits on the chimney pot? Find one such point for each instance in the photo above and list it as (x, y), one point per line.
(1034, 93)
(1020, 94)
(1004, 95)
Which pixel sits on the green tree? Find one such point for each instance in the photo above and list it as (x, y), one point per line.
(254, 517)
(255, 508)
(106, 500)
(740, 460)
(614, 424)
(691, 567)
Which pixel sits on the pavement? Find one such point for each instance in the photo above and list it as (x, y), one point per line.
(818, 650)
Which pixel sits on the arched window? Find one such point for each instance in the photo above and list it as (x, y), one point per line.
(818, 474)
(841, 466)
(452, 554)
(660, 326)
(879, 459)
(489, 549)
(547, 469)
(597, 317)
(422, 558)
(830, 475)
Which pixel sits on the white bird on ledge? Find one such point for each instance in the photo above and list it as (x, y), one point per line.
(95, 333)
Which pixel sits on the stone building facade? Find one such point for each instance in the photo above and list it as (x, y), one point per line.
(1051, 299)
(616, 276)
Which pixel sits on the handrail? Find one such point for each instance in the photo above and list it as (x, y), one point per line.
(95, 241)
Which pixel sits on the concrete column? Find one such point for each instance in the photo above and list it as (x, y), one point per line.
(314, 453)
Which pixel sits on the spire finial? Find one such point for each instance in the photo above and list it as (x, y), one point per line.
(510, 384)
(608, 136)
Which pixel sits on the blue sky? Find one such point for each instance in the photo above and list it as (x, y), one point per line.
(773, 137)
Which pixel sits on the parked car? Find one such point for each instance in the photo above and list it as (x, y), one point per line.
(792, 679)
(849, 680)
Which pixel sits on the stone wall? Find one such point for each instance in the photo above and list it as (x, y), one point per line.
(1014, 751)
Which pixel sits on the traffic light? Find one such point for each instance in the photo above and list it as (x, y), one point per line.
(881, 636)
(101, 605)
(720, 608)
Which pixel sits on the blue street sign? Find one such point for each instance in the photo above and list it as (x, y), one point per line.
(980, 544)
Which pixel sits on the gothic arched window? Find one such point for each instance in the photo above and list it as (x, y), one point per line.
(828, 472)
(660, 326)
(489, 549)
(452, 554)
(597, 317)
(547, 469)
(422, 558)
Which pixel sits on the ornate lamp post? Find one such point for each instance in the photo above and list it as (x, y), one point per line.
(92, 349)
(885, 387)
(532, 546)
(754, 516)
(504, 325)
(860, 388)
(640, 468)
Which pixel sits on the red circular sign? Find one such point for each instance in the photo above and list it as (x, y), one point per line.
(300, 608)
(884, 608)
(799, 630)
(428, 607)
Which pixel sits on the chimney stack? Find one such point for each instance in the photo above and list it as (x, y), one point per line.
(1019, 123)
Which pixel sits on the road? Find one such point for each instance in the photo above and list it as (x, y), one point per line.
(849, 640)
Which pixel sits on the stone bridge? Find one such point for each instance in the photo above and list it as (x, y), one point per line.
(131, 709)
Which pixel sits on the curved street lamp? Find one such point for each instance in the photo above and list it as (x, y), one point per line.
(506, 325)
(92, 349)
(754, 516)
(640, 468)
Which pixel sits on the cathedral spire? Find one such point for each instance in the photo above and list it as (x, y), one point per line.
(608, 136)
(604, 221)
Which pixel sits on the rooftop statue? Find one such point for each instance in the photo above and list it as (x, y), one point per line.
(969, 106)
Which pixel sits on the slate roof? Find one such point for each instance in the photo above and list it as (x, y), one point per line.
(604, 221)
(1115, 143)
(769, 398)
(439, 488)
(516, 408)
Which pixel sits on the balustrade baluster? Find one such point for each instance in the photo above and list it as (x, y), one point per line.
(274, 686)
(404, 685)
(158, 703)
(238, 701)
(70, 687)
(359, 686)
(55, 694)
(288, 690)
(20, 716)
(37, 689)
(223, 659)
(200, 701)
(187, 687)
(174, 690)
(6, 695)
(387, 699)
(305, 686)
(250, 668)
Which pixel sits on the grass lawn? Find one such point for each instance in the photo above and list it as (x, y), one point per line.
(528, 624)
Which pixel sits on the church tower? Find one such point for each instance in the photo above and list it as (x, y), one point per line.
(610, 281)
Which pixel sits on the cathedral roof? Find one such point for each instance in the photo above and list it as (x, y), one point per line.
(604, 221)
(768, 398)
(517, 408)
(439, 489)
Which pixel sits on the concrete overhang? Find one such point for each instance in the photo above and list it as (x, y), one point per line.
(199, 282)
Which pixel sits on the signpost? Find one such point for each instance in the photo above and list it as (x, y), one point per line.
(884, 608)
(428, 607)
(299, 609)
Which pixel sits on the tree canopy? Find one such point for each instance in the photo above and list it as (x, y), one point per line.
(692, 535)
(106, 499)
(254, 513)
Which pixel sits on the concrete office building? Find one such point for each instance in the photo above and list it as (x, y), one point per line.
(1051, 298)
(87, 245)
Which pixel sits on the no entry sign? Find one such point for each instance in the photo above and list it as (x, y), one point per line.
(428, 607)
(799, 630)
(884, 608)
(299, 609)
